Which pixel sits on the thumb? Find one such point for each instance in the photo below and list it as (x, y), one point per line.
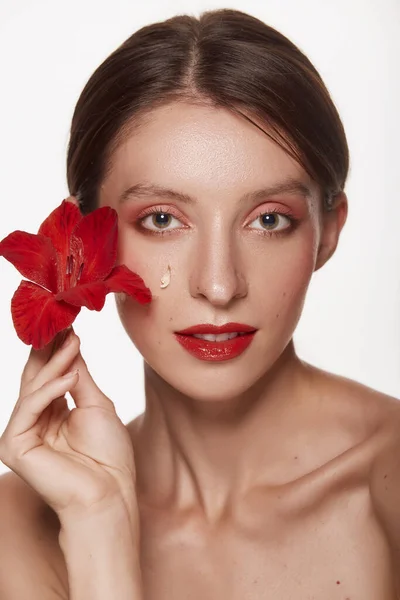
(86, 392)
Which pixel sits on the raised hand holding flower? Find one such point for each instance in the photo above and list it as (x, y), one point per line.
(81, 460)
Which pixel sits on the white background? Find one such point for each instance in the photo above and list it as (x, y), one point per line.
(351, 320)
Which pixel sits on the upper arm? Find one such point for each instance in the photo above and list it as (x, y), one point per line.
(31, 562)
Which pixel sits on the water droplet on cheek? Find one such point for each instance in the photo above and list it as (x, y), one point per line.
(166, 278)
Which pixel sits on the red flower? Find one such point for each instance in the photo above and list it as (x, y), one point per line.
(71, 261)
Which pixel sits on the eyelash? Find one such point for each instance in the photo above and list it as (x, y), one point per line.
(279, 233)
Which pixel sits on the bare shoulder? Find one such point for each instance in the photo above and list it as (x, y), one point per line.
(372, 418)
(358, 407)
(352, 424)
(31, 561)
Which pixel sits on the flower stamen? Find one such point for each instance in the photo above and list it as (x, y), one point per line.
(80, 271)
(69, 264)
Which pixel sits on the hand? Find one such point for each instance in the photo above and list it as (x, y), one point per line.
(78, 460)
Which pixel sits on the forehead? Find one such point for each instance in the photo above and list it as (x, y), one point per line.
(200, 149)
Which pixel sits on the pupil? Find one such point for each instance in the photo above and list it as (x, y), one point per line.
(269, 220)
(160, 219)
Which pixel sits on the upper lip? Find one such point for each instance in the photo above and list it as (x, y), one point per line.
(208, 328)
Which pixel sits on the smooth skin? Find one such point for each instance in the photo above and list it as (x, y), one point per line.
(256, 477)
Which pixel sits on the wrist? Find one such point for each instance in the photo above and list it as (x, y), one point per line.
(100, 503)
(102, 553)
(115, 512)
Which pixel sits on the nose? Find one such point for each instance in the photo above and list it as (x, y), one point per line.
(216, 273)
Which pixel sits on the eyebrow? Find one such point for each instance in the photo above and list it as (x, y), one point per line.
(145, 190)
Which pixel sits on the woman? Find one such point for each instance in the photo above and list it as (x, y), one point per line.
(251, 473)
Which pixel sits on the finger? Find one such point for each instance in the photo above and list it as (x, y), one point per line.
(86, 392)
(58, 364)
(27, 413)
(38, 358)
(52, 417)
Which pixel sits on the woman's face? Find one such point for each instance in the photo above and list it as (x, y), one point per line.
(227, 261)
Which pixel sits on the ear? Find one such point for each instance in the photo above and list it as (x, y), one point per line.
(332, 224)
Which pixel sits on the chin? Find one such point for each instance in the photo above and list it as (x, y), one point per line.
(220, 382)
(209, 393)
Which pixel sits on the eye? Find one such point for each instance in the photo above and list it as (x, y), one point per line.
(273, 221)
(157, 220)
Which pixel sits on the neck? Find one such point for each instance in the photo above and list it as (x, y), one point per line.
(192, 454)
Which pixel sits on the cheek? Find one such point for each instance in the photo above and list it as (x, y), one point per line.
(129, 251)
(135, 318)
(134, 252)
(281, 279)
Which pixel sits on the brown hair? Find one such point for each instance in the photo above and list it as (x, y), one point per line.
(225, 58)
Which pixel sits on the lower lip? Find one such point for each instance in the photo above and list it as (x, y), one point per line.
(205, 350)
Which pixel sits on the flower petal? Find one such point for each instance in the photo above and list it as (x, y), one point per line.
(37, 316)
(97, 236)
(91, 295)
(122, 279)
(33, 256)
(58, 227)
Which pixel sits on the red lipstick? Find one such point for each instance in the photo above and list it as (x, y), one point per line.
(218, 351)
